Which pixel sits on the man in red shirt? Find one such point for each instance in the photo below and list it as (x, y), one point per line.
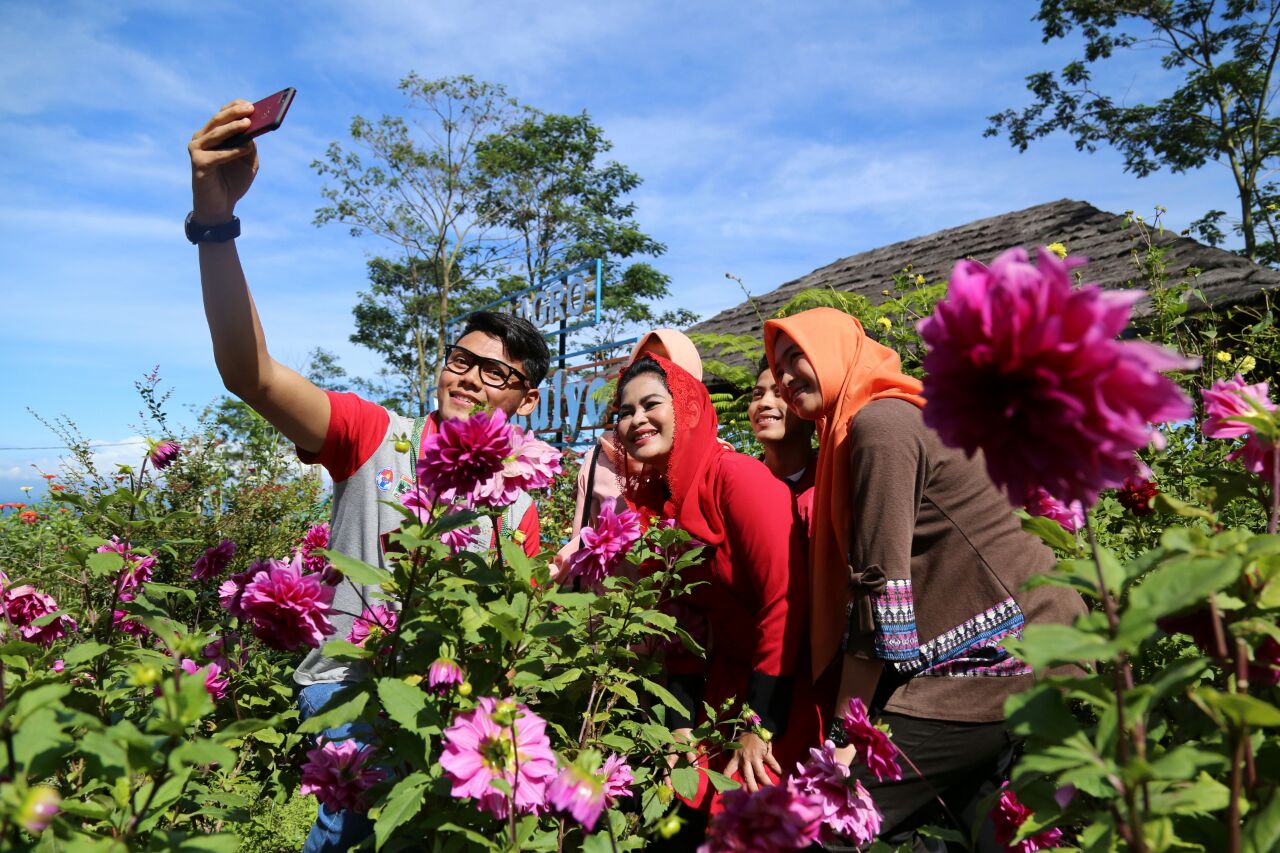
(497, 363)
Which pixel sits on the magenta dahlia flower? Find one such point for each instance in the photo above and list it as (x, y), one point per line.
(24, 605)
(1224, 404)
(604, 544)
(213, 561)
(215, 686)
(847, 809)
(58, 666)
(1009, 815)
(288, 609)
(499, 739)
(870, 744)
(1027, 368)
(618, 779)
(375, 621)
(125, 623)
(444, 675)
(1069, 516)
(223, 652)
(460, 539)
(137, 568)
(775, 817)
(1138, 490)
(460, 459)
(336, 772)
(579, 794)
(163, 453)
(314, 540)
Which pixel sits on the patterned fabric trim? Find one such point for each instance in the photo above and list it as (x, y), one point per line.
(895, 615)
(971, 649)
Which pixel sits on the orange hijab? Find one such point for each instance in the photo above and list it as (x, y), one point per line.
(852, 371)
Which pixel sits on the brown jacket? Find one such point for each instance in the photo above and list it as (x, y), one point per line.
(938, 564)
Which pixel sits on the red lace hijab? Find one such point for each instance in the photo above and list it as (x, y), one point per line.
(682, 489)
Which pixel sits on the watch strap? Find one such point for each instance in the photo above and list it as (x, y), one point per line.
(219, 233)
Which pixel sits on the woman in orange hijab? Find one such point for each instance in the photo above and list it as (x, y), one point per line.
(917, 568)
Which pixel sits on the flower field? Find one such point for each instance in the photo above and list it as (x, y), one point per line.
(153, 617)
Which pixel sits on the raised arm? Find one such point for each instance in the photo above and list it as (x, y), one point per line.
(219, 179)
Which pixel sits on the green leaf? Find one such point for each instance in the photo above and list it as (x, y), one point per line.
(1262, 832)
(685, 781)
(345, 650)
(347, 705)
(1041, 713)
(1050, 532)
(1166, 504)
(1186, 762)
(1043, 646)
(86, 651)
(721, 781)
(665, 696)
(200, 842)
(403, 804)
(402, 702)
(102, 564)
(1240, 708)
(201, 752)
(357, 571)
(1205, 795)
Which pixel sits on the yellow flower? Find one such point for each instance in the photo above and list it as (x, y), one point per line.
(1224, 356)
(1058, 249)
(1246, 364)
(920, 280)
(884, 323)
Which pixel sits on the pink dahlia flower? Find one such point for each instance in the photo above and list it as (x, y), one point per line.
(213, 561)
(1070, 517)
(847, 809)
(126, 624)
(231, 590)
(288, 609)
(1027, 368)
(336, 773)
(618, 779)
(443, 675)
(579, 794)
(375, 621)
(137, 569)
(460, 539)
(499, 740)
(223, 652)
(458, 462)
(58, 665)
(1008, 816)
(1226, 402)
(775, 817)
(870, 744)
(25, 604)
(314, 540)
(215, 686)
(163, 453)
(533, 463)
(604, 544)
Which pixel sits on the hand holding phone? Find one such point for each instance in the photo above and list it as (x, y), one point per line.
(268, 114)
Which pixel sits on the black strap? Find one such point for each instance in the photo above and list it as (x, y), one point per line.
(586, 519)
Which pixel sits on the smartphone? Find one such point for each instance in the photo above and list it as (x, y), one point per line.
(268, 114)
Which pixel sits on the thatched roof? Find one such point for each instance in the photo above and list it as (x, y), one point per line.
(1225, 278)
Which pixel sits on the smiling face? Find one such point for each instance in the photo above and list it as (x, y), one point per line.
(768, 413)
(646, 419)
(797, 378)
(460, 394)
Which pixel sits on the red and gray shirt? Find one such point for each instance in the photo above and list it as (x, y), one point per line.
(359, 454)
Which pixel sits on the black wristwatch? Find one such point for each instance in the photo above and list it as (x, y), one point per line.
(197, 233)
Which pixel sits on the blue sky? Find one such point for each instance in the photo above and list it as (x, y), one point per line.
(772, 138)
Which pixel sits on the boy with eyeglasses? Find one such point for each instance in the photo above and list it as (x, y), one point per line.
(497, 363)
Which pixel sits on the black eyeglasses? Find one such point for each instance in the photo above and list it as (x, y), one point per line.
(494, 373)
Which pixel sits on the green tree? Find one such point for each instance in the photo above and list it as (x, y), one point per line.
(546, 181)
(415, 185)
(1221, 108)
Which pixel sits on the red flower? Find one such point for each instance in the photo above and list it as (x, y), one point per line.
(1008, 816)
(870, 743)
(54, 487)
(28, 516)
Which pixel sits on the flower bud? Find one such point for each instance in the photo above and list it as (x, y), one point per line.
(464, 689)
(665, 794)
(518, 536)
(145, 675)
(669, 826)
(765, 735)
(39, 808)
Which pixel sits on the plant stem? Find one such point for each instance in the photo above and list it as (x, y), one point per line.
(1123, 679)
(1275, 490)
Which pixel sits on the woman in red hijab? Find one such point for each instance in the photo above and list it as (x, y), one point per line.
(754, 598)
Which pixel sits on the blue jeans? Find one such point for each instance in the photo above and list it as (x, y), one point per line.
(334, 831)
